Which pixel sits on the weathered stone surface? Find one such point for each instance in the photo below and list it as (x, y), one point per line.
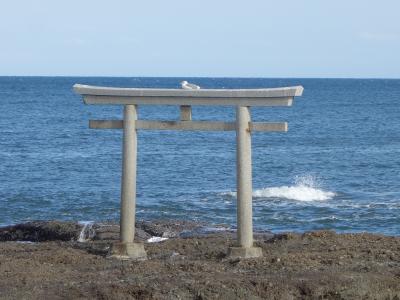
(242, 252)
(133, 251)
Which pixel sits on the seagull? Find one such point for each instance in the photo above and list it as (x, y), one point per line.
(189, 86)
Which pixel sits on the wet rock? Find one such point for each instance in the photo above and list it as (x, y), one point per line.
(283, 237)
(170, 229)
(70, 231)
(110, 232)
(40, 231)
(106, 236)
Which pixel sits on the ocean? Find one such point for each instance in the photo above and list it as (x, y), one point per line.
(338, 166)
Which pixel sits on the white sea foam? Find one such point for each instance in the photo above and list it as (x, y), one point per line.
(305, 188)
(156, 239)
(26, 242)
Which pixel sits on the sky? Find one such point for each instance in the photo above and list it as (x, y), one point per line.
(219, 38)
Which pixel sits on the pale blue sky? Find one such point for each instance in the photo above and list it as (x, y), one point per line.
(260, 38)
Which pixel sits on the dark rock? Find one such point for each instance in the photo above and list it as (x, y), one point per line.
(39, 231)
(164, 228)
(284, 237)
(111, 232)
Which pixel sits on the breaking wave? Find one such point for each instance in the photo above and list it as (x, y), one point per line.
(305, 188)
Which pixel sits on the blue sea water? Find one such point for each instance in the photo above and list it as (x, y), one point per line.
(338, 166)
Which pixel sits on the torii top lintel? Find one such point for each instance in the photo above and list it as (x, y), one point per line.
(151, 96)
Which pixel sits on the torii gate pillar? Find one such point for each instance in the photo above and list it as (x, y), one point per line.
(126, 247)
(245, 247)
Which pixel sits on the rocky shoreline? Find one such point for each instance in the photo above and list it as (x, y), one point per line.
(68, 260)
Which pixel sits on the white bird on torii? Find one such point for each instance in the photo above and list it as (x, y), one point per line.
(189, 86)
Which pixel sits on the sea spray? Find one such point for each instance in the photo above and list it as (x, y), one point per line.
(305, 188)
(87, 231)
(298, 193)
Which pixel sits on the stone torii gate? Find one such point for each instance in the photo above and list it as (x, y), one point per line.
(242, 99)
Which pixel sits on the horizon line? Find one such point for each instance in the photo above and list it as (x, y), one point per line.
(221, 77)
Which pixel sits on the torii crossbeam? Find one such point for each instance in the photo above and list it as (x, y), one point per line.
(242, 99)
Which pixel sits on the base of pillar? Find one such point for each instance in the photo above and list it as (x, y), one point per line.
(244, 252)
(122, 250)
